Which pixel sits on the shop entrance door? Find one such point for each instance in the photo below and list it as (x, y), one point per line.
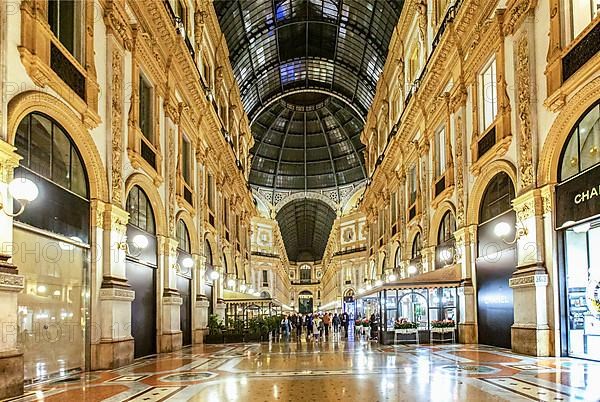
(142, 279)
(495, 298)
(185, 310)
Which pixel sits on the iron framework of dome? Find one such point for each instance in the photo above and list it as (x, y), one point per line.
(307, 72)
(303, 147)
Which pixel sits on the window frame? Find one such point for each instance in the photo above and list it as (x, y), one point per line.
(483, 118)
(149, 135)
(78, 23)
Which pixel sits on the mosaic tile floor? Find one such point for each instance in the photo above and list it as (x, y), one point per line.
(333, 371)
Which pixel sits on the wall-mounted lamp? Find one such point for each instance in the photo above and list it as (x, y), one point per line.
(214, 275)
(23, 191)
(448, 255)
(139, 241)
(187, 263)
(412, 269)
(231, 282)
(243, 287)
(392, 278)
(502, 229)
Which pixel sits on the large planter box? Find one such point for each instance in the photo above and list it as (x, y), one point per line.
(233, 338)
(218, 338)
(250, 337)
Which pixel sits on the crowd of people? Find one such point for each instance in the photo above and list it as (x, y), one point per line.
(317, 327)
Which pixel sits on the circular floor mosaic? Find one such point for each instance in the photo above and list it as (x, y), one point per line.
(187, 377)
(469, 369)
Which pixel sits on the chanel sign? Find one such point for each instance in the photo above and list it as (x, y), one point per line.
(578, 199)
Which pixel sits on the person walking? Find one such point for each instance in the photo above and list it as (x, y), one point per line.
(336, 324)
(309, 326)
(345, 322)
(299, 324)
(285, 328)
(317, 325)
(326, 325)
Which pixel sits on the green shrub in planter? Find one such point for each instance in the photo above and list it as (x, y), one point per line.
(405, 325)
(443, 324)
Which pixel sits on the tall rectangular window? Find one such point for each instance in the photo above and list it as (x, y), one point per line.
(413, 63)
(394, 207)
(226, 212)
(210, 192)
(265, 277)
(145, 108)
(186, 160)
(440, 152)
(580, 13)
(181, 13)
(489, 95)
(412, 185)
(66, 18)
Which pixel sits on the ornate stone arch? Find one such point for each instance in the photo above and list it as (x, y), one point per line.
(436, 220)
(410, 237)
(394, 249)
(186, 217)
(228, 259)
(36, 101)
(309, 195)
(481, 184)
(145, 183)
(573, 109)
(212, 242)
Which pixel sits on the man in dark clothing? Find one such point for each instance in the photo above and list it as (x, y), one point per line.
(299, 324)
(345, 322)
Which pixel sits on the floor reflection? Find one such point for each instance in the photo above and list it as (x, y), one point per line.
(337, 370)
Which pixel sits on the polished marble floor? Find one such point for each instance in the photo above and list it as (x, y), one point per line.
(333, 371)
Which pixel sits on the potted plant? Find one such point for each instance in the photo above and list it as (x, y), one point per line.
(273, 323)
(215, 330)
(257, 329)
(403, 326)
(235, 331)
(443, 325)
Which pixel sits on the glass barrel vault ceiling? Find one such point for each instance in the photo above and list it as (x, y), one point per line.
(307, 72)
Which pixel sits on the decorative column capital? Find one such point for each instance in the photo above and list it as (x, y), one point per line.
(9, 160)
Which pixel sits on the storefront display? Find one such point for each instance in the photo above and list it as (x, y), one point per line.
(578, 222)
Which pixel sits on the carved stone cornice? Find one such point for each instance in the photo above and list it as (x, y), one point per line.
(516, 11)
(116, 22)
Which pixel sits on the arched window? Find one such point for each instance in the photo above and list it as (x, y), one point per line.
(497, 198)
(208, 253)
(416, 247)
(225, 265)
(398, 257)
(583, 145)
(383, 261)
(140, 210)
(48, 151)
(445, 250)
(447, 228)
(183, 237)
(51, 160)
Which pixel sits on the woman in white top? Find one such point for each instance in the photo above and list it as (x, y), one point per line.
(316, 327)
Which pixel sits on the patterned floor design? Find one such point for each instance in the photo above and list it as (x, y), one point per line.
(332, 371)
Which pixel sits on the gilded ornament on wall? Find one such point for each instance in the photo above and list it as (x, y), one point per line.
(116, 126)
(524, 114)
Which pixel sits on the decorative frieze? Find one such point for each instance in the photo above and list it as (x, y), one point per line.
(537, 280)
(11, 282)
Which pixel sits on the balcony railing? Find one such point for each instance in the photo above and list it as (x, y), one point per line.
(581, 53)
(350, 251)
